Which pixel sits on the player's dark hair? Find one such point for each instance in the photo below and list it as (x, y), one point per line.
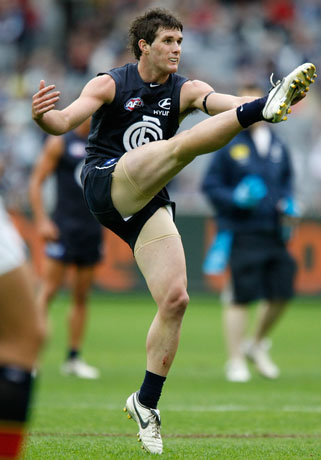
(145, 27)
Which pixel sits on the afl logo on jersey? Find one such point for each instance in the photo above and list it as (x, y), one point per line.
(142, 132)
(133, 103)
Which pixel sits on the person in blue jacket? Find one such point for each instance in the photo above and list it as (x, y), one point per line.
(249, 183)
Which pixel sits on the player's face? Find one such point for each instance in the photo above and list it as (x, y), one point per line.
(165, 51)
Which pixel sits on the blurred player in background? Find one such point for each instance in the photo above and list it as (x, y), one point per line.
(73, 237)
(133, 153)
(249, 183)
(21, 336)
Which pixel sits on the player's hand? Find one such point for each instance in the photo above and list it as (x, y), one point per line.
(47, 229)
(44, 100)
(249, 191)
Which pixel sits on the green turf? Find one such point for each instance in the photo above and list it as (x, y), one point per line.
(203, 416)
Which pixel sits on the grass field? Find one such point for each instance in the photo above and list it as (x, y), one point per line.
(203, 416)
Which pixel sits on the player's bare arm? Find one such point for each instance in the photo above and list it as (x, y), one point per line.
(194, 92)
(45, 167)
(98, 91)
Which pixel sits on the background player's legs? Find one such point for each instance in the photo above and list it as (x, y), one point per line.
(150, 167)
(235, 318)
(79, 309)
(257, 348)
(52, 279)
(21, 336)
(279, 282)
(269, 313)
(77, 319)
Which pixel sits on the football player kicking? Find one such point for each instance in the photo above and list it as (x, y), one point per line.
(133, 153)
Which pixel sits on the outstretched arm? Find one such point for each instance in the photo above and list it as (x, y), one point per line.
(98, 91)
(199, 95)
(194, 92)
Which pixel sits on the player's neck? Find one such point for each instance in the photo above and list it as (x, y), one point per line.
(151, 75)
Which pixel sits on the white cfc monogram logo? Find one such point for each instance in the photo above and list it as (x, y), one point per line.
(142, 132)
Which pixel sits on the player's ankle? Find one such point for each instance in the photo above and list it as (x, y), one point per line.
(251, 112)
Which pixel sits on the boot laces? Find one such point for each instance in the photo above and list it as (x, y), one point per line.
(156, 425)
(272, 82)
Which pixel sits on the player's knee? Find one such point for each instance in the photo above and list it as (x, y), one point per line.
(176, 301)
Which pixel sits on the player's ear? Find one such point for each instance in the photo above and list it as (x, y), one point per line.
(143, 46)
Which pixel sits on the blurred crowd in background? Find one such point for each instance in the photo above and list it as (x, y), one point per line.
(226, 43)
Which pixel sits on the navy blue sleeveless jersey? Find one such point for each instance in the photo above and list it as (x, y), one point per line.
(71, 212)
(140, 113)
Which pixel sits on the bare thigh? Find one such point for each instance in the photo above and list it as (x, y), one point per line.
(133, 186)
(159, 226)
(160, 255)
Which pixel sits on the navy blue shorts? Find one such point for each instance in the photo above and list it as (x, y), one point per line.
(76, 247)
(261, 268)
(96, 178)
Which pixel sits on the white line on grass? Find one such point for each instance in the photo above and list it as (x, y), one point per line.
(189, 408)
